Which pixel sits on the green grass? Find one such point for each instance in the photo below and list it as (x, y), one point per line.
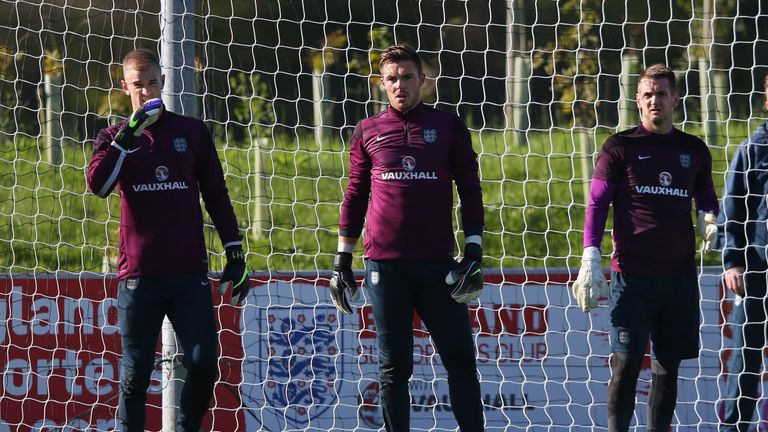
(533, 199)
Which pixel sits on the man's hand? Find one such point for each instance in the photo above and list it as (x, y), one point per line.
(235, 276)
(734, 280)
(706, 223)
(143, 117)
(343, 286)
(467, 275)
(590, 284)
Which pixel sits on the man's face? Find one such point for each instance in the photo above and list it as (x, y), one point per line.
(142, 83)
(657, 102)
(403, 82)
(766, 98)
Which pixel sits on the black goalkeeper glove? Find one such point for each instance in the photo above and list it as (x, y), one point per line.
(235, 276)
(467, 275)
(143, 117)
(343, 286)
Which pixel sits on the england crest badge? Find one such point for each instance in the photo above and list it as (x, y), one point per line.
(685, 160)
(429, 135)
(180, 144)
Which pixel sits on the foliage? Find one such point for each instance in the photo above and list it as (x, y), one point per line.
(572, 59)
(533, 204)
(250, 105)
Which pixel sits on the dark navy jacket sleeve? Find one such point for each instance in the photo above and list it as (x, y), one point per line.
(734, 210)
(745, 213)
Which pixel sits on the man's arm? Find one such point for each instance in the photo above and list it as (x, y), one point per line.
(353, 208)
(355, 203)
(465, 175)
(109, 152)
(735, 209)
(467, 275)
(600, 196)
(706, 203)
(213, 189)
(105, 165)
(590, 283)
(735, 212)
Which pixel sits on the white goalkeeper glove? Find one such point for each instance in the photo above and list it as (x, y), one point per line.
(705, 222)
(590, 284)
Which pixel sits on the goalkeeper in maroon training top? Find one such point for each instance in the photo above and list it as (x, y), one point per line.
(650, 174)
(406, 159)
(161, 163)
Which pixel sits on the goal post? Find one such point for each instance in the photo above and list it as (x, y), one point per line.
(281, 85)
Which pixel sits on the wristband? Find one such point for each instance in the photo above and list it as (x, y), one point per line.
(477, 239)
(235, 254)
(343, 260)
(345, 247)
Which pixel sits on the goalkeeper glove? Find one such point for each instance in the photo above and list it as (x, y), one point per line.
(590, 284)
(143, 117)
(467, 275)
(234, 278)
(707, 229)
(343, 286)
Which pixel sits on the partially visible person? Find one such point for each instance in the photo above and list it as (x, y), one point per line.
(649, 174)
(406, 160)
(745, 215)
(161, 163)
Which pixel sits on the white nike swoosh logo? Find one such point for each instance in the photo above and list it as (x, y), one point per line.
(382, 136)
(203, 283)
(644, 157)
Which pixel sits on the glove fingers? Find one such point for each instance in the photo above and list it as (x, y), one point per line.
(452, 277)
(239, 294)
(338, 282)
(473, 296)
(235, 300)
(582, 301)
(353, 293)
(585, 298)
(575, 288)
(456, 272)
(224, 286)
(605, 290)
(338, 288)
(349, 281)
(340, 301)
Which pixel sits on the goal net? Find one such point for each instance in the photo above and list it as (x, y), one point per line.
(281, 85)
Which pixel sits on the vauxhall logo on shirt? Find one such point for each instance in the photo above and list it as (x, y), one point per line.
(161, 174)
(665, 179)
(410, 173)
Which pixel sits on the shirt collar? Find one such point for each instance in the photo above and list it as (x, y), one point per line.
(415, 111)
(645, 131)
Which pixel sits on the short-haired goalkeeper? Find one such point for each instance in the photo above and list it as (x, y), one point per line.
(650, 174)
(162, 163)
(406, 159)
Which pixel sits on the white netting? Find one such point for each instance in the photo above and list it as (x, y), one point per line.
(281, 84)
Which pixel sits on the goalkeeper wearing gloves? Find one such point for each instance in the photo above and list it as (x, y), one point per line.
(406, 160)
(162, 163)
(649, 173)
